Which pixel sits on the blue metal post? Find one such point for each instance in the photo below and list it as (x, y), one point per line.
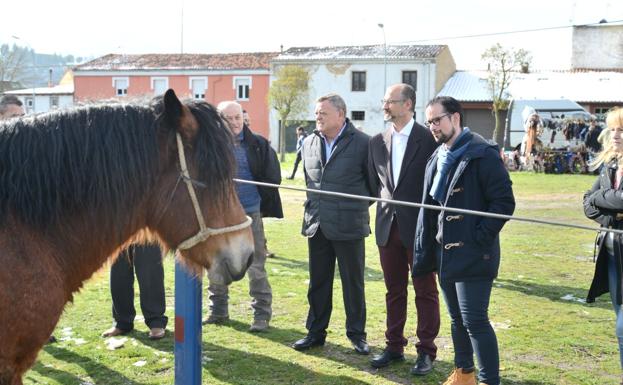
(187, 327)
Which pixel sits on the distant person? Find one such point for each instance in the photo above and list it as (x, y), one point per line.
(592, 138)
(146, 262)
(256, 161)
(465, 172)
(603, 203)
(11, 107)
(246, 118)
(300, 137)
(530, 144)
(397, 158)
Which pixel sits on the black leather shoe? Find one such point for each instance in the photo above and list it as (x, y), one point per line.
(308, 342)
(361, 346)
(386, 358)
(423, 365)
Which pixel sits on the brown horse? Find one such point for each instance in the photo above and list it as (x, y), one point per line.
(77, 185)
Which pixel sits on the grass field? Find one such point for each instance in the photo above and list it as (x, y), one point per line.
(547, 335)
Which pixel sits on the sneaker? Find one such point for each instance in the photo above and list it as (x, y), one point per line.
(259, 325)
(215, 320)
(460, 377)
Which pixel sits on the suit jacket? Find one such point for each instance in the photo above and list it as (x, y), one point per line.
(420, 147)
(346, 171)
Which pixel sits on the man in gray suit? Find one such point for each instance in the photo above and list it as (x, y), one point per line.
(335, 158)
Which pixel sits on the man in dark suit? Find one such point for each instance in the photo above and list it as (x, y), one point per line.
(335, 158)
(397, 161)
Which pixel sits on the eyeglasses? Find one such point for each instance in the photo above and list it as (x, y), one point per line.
(392, 101)
(436, 121)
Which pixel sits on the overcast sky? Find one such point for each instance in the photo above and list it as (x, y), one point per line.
(86, 28)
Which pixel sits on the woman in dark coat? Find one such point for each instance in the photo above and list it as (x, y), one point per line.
(604, 204)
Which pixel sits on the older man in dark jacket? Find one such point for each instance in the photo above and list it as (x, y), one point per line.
(335, 158)
(256, 161)
(465, 172)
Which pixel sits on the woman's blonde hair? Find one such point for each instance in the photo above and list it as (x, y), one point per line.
(614, 119)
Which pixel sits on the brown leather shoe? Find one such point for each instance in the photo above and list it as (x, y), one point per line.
(114, 331)
(461, 377)
(156, 333)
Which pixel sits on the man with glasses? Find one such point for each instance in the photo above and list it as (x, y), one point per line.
(11, 107)
(465, 172)
(397, 158)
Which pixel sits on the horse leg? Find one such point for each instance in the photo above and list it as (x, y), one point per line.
(34, 296)
(7, 374)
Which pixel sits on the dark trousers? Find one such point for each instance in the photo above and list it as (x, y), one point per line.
(396, 261)
(296, 164)
(350, 257)
(146, 261)
(468, 305)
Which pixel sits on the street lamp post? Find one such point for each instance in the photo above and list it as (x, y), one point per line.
(382, 27)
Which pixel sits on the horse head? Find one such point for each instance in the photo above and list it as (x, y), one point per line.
(196, 209)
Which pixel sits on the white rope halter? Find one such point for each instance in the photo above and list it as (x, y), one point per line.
(204, 231)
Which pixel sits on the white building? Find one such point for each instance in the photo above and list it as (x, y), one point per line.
(360, 74)
(45, 98)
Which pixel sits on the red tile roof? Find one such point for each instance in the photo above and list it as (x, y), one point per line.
(118, 62)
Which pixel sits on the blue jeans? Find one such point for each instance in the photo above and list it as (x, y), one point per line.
(468, 305)
(618, 309)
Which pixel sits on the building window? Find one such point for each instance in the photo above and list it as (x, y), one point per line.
(359, 81)
(410, 78)
(121, 86)
(357, 115)
(54, 101)
(159, 85)
(28, 101)
(198, 87)
(242, 85)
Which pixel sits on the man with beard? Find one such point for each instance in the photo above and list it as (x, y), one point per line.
(397, 158)
(465, 172)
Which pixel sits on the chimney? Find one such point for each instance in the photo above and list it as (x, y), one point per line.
(50, 77)
(282, 48)
(525, 68)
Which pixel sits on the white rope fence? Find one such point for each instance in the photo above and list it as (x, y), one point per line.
(432, 207)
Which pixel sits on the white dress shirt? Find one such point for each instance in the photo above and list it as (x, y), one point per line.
(399, 146)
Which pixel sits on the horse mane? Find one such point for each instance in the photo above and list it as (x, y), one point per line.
(98, 161)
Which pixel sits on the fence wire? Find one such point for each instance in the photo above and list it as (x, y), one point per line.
(431, 207)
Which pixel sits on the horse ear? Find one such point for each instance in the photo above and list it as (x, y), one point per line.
(179, 116)
(172, 107)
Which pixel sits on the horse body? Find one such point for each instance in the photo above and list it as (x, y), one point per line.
(73, 192)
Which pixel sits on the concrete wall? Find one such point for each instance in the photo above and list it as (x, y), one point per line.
(597, 47)
(43, 102)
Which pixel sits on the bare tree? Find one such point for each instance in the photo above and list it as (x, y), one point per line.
(501, 63)
(14, 62)
(288, 96)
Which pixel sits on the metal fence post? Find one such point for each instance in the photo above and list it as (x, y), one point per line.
(187, 327)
